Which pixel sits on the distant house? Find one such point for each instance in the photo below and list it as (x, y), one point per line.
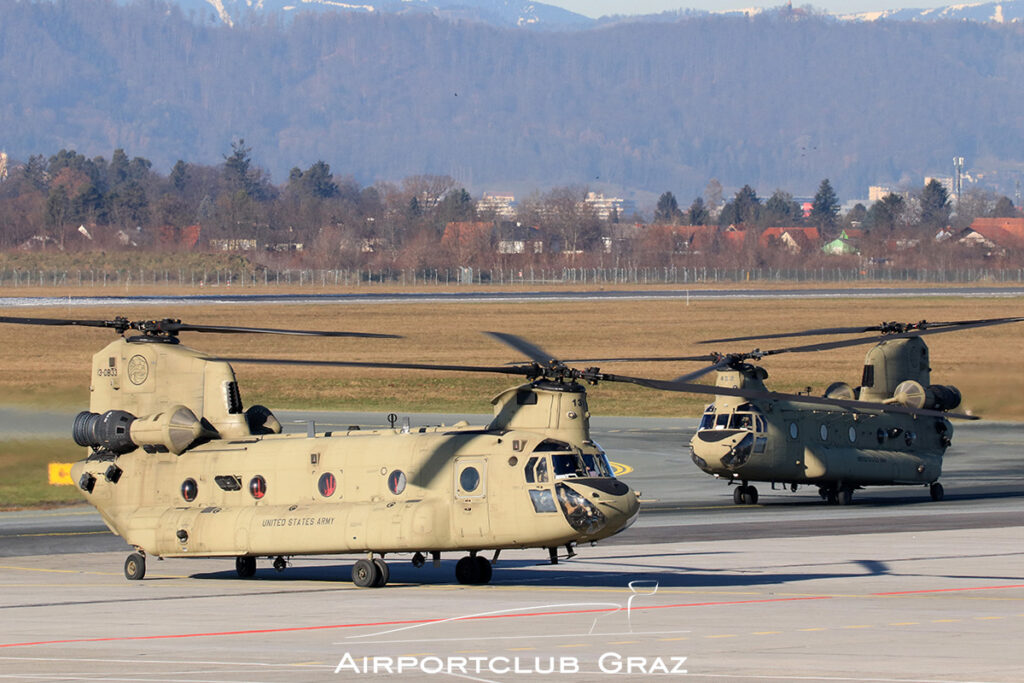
(794, 239)
(840, 246)
(499, 205)
(516, 238)
(235, 244)
(1002, 233)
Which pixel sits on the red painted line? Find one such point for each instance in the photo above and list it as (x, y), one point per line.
(295, 629)
(323, 627)
(951, 590)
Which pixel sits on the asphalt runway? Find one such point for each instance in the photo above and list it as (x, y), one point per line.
(893, 588)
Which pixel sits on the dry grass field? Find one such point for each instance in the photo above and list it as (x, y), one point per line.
(50, 366)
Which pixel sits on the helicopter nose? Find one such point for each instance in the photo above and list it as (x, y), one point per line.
(598, 507)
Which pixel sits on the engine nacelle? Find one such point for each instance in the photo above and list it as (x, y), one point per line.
(120, 432)
(911, 394)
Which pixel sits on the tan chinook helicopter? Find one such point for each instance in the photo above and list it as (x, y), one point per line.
(179, 468)
(891, 430)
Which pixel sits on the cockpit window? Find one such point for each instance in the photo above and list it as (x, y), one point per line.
(708, 420)
(745, 417)
(552, 446)
(597, 465)
(567, 465)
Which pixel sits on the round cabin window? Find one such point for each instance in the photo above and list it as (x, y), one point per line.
(189, 490)
(327, 484)
(793, 430)
(396, 482)
(469, 480)
(258, 487)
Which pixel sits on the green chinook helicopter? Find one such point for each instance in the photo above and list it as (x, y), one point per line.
(893, 429)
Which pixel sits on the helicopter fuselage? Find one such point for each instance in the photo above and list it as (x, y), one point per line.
(838, 449)
(383, 491)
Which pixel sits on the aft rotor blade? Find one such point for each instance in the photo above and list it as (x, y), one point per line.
(843, 343)
(858, 406)
(185, 327)
(172, 327)
(888, 329)
(59, 322)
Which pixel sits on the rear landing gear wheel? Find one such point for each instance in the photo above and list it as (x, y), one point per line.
(365, 574)
(473, 570)
(845, 496)
(245, 567)
(484, 568)
(936, 491)
(135, 567)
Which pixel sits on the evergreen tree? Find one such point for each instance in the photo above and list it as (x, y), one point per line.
(667, 210)
(935, 206)
(698, 213)
(825, 207)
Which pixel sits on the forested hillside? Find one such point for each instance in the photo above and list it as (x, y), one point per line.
(778, 100)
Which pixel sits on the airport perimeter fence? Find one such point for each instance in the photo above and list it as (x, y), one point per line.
(318, 278)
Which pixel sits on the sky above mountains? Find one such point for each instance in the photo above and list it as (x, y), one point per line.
(598, 8)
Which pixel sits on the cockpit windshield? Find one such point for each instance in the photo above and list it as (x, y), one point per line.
(566, 462)
(745, 416)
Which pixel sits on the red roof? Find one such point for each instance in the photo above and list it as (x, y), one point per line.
(1004, 232)
(804, 237)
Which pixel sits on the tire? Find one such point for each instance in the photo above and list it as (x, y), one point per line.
(484, 570)
(383, 572)
(936, 491)
(467, 571)
(245, 567)
(739, 495)
(365, 574)
(845, 496)
(135, 567)
(752, 495)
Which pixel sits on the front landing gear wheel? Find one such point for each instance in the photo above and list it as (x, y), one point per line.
(937, 491)
(135, 567)
(245, 567)
(744, 495)
(383, 572)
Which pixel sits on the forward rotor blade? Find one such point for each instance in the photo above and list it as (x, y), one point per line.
(528, 349)
(527, 371)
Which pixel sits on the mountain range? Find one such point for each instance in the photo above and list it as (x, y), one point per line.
(778, 100)
(523, 13)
